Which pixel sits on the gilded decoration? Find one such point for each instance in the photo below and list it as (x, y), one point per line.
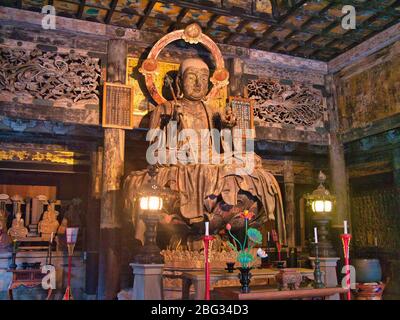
(61, 157)
(293, 104)
(141, 103)
(65, 79)
(191, 34)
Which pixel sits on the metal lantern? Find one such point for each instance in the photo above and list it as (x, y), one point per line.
(321, 200)
(150, 198)
(322, 203)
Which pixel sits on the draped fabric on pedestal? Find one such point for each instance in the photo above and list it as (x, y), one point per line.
(195, 182)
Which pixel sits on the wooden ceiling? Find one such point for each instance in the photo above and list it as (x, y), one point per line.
(310, 29)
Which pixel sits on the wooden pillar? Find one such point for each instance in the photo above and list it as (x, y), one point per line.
(235, 68)
(288, 180)
(337, 164)
(93, 223)
(113, 170)
(396, 167)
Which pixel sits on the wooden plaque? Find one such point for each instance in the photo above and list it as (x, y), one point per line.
(243, 110)
(117, 106)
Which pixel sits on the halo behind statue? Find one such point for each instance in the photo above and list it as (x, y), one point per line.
(191, 34)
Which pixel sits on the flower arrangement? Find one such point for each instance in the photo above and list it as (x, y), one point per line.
(252, 237)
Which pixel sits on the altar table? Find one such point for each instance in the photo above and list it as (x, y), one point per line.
(268, 293)
(197, 279)
(28, 278)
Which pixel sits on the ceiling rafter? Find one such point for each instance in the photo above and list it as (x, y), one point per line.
(147, 12)
(304, 25)
(110, 12)
(220, 11)
(179, 19)
(211, 22)
(305, 37)
(272, 28)
(238, 29)
(362, 26)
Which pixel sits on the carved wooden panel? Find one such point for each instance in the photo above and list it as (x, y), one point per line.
(242, 108)
(294, 104)
(117, 106)
(68, 79)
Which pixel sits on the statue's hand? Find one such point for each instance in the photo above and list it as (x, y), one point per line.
(228, 119)
(178, 110)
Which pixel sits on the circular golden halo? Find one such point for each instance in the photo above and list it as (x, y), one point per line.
(191, 34)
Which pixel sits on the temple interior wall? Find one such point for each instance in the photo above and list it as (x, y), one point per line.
(71, 122)
(369, 109)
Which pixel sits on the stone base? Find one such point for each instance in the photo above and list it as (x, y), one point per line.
(147, 284)
(328, 266)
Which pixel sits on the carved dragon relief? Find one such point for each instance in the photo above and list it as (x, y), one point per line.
(294, 104)
(65, 79)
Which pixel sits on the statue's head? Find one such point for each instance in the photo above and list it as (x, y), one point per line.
(193, 79)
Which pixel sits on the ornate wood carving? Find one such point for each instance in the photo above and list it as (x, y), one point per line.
(294, 104)
(65, 78)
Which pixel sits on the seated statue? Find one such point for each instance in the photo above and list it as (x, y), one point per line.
(3, 216)
(18, 229)
(197, 181)
(4, 238)
(49, 223)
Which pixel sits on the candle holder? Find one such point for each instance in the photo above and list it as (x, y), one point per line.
(346, 252)
(206, 240)
(72, 236)
(318, 283)
(13, 264)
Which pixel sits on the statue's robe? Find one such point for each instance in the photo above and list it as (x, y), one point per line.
(194, 182)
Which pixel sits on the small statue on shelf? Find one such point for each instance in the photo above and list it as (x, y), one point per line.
(49, 223)
(18, 229)
(4, 238)
(3, 213)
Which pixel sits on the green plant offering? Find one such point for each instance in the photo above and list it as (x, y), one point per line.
(252, 237)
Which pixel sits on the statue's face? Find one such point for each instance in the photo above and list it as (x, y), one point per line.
(195, 83)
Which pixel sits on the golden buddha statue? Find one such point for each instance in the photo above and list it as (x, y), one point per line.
(49, 223)
(18, 229)
(196, 180)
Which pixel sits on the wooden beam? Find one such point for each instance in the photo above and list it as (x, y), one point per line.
(179, 19)
(238, 29)
(350, 34)
(220, 11)
(211, 22)
(304, 25)
(284, 18)
(275, 10)
(147, 12)
(110, 12)
(80, 9)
